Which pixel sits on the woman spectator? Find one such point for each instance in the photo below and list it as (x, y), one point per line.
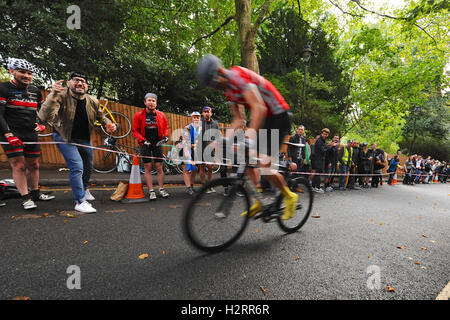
(393, 164)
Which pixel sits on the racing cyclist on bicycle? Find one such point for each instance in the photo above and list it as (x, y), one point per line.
(268, 110)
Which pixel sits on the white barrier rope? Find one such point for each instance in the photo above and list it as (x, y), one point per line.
(196, 162)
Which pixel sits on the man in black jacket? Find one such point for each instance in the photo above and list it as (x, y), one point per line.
(355, 167)
(331, 163)
(210, 129)
(320, 149)
(297, 154)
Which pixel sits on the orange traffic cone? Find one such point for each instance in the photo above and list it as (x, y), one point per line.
(436, 178)
(135, 191)
(394, 181)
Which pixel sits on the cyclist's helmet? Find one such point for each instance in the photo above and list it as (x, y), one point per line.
(22, 64)
(207, 70)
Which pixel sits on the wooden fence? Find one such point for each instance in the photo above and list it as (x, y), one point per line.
(50, 155)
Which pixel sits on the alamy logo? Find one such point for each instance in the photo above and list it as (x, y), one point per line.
(374, 280)
(74, 20)
(74, 280)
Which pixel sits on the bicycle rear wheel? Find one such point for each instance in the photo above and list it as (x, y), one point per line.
(303, 189)
(104, 161)
(212, 222)
(123, 125)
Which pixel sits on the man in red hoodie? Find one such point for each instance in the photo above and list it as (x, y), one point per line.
(150, 126)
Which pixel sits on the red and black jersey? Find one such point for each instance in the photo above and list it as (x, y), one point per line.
(18, 107)
(241, 79)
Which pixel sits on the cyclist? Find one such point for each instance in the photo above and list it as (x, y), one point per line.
(149, 127)
(268, 110)
(19, 102)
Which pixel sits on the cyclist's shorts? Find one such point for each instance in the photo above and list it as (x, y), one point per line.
(155, 152)
(278, 126)
(27, 150)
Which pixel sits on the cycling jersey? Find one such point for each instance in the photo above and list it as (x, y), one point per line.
(18, 107)
(241, 79)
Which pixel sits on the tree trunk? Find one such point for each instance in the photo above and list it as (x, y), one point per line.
(247, 32)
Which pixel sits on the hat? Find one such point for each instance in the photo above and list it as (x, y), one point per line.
(195, 113)
(74, 74)
(151, 95)
(206, 108)
(350, 141)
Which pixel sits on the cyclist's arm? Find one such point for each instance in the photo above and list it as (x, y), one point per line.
(4, 128)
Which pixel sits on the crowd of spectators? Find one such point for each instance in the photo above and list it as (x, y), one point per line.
(356, 166)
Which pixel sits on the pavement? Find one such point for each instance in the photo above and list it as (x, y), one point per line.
(59, 176)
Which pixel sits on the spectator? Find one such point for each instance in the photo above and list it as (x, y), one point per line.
(345, 163)
(298, 154)
(150, 126)
(393, 164)
(19, 100)
(331, 163)
(209, 130)
(408, 171)
(192, 133)
(354, 169)
(320, 149)
(379, 164)
(364, 164)
(419, 169)
(64, 108)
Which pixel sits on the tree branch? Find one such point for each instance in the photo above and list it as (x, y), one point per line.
(346, 12)
(227, 20)
(260, 18)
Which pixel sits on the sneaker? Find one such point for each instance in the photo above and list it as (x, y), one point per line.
(88, 195)
(45, 197)
(163, 193)
(212, 190)
(190, 191)
(318, 190)
(226, 192)
(329, 189)
(29, 204)
(2, 204)
(152, 195)
(291, 206)
(342, 188)
(240, 194)
(208, 190)
(85, 207)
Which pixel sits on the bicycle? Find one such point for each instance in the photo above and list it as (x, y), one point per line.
(111, 155)
(212, 223)
(123, 124)
(170, 165)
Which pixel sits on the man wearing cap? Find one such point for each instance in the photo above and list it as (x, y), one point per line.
(151, 129)
(19, 102)
(191, 136)
(72, 113)
(210, 128)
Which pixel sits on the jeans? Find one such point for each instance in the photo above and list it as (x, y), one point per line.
(80, 161)
(343, 170)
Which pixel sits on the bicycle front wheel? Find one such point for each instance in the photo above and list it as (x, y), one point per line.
(302, 188)
(104, 161)
(212, 222)
(122, 123)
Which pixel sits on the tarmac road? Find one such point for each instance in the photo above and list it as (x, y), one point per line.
(358, 244)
